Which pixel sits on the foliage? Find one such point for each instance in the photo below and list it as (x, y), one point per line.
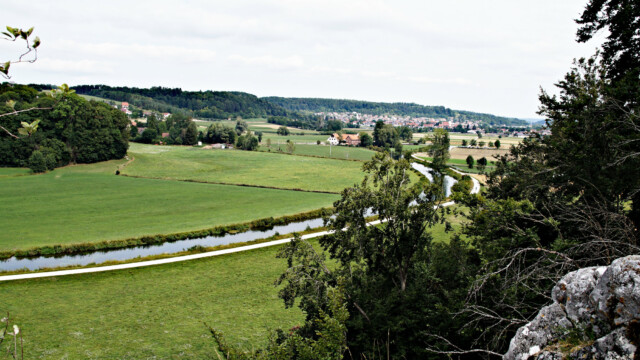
(13, 34)
(470, 161)
(561, 202)
(219, 133)
(482, 163)
(384, 135)
(247, 142)
(37, 162)
(241, 126)
(82, 131)
(389, 286)
(291, 147)
(283, 130)
(365, 139)
(191, 134)
(405, 133)
(200, 104)
(439, 149)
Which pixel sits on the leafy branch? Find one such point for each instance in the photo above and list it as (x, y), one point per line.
(13, 34)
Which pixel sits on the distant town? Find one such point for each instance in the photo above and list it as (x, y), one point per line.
(424, 124)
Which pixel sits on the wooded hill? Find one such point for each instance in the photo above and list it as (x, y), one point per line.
(380, 108)
(230, 104)
(201, 104)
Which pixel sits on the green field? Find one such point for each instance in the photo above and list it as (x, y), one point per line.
(462, 165)
(153, 312)
(10, 172)
(298, 139)
(87, 204)
(95, 98)
(243, 167)
(335, 152)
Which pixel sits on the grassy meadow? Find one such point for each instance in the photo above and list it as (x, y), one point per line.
(157, 311)
(152, 312)
(88, 203)
(243, 167)
(334, 152)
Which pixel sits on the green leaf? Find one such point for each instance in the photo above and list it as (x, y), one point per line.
(36, 42)
(6, 33)
(29, 31)
(23, 131)
(5, 68)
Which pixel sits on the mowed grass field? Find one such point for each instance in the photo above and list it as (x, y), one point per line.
(334, 152)
(243, 167)
(310, 139)
(157, 311)
(90, 203)
(153, 312)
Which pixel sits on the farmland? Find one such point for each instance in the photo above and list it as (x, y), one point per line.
(89, 203)
(335, 152)
(243, 167)
(156, 311)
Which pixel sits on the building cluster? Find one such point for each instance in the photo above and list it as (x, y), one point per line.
(369, 120)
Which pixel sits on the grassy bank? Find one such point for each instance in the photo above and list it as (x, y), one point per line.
(243, 167)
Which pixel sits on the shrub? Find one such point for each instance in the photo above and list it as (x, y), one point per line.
(37, 162)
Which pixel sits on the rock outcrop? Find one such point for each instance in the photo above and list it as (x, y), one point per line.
(595, 314)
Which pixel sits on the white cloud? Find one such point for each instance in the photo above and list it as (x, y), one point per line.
(269, 61)
(474, 55)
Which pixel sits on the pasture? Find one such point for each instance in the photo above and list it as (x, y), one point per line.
(157, 311)
(334, 152)
(89, 203)
(243, 168)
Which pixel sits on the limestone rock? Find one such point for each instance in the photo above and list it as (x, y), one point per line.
(599, 306)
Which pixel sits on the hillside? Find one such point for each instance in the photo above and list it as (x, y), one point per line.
(202, 104)
(380, 108)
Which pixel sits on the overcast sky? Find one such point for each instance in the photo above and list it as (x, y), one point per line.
(485, 56)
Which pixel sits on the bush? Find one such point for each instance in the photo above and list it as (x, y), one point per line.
(50, 161)
(37, 162)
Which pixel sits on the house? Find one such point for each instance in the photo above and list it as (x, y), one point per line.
(348, 139)
(351, 139)
(165, 135)
(165, 115)
(124, 106)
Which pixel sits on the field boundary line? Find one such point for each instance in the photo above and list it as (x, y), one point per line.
(230, 184)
